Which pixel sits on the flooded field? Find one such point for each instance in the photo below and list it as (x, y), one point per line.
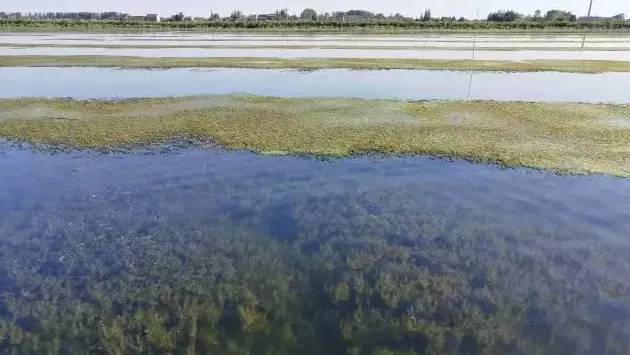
(443, 47)
(151, 226)
(96, 83)
(520, 55)
(199, 39)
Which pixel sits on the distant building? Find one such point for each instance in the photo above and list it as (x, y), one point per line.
(188, 18)
(136, 18)
(265, 17)
(620, 17)
(152, 18)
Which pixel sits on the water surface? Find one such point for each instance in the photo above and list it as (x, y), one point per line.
(540, 261)
(104, 83)
(200, 36)
(518, 55)
(467, 43)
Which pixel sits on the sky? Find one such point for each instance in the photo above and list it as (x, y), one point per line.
(456, 8)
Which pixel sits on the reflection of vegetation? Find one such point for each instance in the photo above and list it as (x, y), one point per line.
(578, 138)
(371, 273)
(578, 66)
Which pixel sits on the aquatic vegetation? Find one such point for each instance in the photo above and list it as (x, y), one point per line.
(566, 138)
(577, 66)
(207, 263)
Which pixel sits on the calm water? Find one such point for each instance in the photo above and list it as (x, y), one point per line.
(341, 43)
(102, 83)
(538, 257)
(8, 37)
(321, 53)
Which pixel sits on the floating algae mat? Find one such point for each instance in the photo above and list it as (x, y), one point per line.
(562, 137)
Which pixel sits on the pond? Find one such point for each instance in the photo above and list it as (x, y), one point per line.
(334, 42)
(103, 83)
(30, 37)
(212, 250)
(517, 55)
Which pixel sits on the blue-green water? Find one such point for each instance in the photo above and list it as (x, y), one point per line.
(216, 252)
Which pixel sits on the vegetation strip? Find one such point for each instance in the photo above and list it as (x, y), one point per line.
(463, 46)
(565, 138)
(576, 66)
(334, 24)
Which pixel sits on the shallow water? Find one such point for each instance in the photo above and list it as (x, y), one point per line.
(321, 53)
(480, 43)
(103, 83)
(197, 36)
(82, 226)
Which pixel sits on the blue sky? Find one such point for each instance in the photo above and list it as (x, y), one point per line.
(413, 8)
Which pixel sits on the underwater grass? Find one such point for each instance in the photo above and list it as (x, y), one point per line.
(561, 137)
(575, 66)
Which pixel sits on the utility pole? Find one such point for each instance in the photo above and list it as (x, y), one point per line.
(473, 57)
(588, 16)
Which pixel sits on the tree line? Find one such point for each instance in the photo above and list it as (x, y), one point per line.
(551, 15)
(309, 14)
(311, 19)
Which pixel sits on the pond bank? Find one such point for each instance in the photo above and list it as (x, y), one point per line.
(576, 66)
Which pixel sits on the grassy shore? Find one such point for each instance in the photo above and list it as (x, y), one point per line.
(565, 138)
(462, 46)
(577, 66)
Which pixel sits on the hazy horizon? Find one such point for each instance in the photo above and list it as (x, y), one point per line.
(407, 8)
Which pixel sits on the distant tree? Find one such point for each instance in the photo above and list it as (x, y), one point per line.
(309, 14)
(282, 14)
(178, 17)
(214, 16)
(398, 17)
(236, 15)
(537, 15)
(462, 19)
(560, 15)
(355, 14)
(427, 15)
(504, 16)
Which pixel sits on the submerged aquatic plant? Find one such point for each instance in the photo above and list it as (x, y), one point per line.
(263, 264)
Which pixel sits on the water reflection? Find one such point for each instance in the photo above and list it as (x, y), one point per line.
(291, 255)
